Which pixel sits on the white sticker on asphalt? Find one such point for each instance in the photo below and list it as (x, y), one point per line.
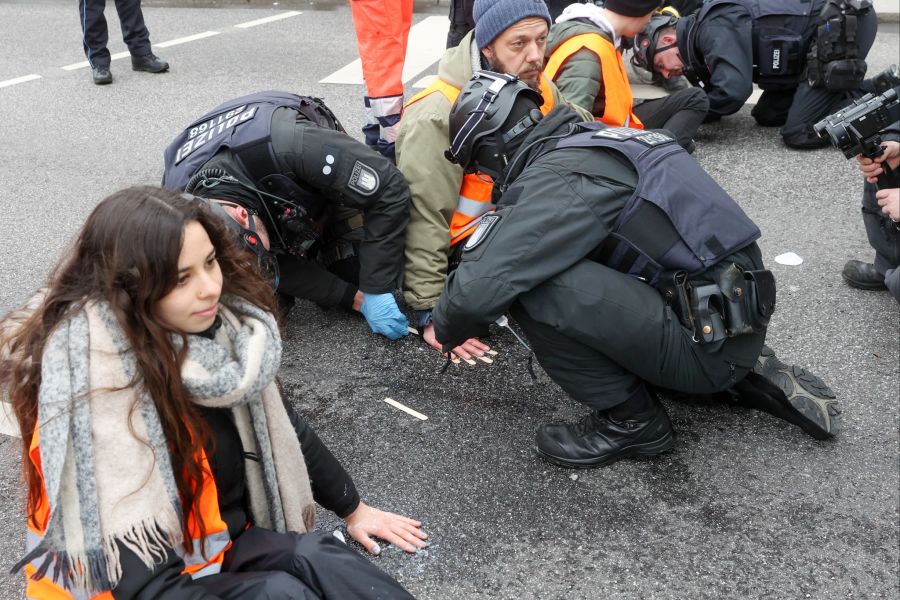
(406, 409)
(789, 258)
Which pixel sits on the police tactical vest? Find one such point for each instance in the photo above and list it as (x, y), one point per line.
(678, 217)
(243, 126)
(782, 31)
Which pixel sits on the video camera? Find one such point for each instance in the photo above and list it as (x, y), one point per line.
(856, 129)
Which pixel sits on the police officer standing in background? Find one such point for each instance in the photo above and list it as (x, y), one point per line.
(324, 214)
(728, 45)
(625, 264)
(96, 35)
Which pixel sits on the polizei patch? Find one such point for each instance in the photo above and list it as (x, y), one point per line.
(363, 179)
(481, 233)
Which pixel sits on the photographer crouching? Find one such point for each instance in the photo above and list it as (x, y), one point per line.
(869, 129)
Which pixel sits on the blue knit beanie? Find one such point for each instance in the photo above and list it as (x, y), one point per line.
(493, 17)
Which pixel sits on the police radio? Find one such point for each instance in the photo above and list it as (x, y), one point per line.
(856, 129)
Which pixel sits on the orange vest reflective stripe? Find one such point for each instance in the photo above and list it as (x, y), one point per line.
(619, 101)
(216, 542)
(475, 192)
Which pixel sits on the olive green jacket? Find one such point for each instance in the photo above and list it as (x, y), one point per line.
(580, 79)
(434, 182)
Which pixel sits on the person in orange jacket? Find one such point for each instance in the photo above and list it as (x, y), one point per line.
(382, 29)
(145, 372)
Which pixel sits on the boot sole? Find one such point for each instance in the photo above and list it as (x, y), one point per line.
(653, 448)
(146, 70)
(864, 285)
(810, 403)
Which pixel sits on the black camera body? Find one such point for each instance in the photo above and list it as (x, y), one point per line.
(856, 129)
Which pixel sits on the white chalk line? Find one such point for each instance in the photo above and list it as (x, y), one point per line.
(406, 409)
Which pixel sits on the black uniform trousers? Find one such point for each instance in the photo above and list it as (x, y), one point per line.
(598, 333)
(266, 565)
(884, 238)
(810, 105)
(680, 113)
(96, 34)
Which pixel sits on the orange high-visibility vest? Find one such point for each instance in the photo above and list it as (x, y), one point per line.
(619, 101)
(216, 542)
(475, 192)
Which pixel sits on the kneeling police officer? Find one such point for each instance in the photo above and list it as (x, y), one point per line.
(324, 214)
(627, 267)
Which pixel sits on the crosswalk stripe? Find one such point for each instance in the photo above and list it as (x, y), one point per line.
(426, 44)
(186, 39)
(278, 17)
(22, 79)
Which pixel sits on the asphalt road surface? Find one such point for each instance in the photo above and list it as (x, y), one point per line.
(745, 506)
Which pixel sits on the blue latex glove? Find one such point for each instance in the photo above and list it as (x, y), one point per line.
(381, 311)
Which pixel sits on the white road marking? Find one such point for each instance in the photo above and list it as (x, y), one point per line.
(84, 64)
(8, 423)
(190, 38)
(427, 43)
(648, 92)
(424, 82)
(22, 79)
(278, 17)
(406, 409)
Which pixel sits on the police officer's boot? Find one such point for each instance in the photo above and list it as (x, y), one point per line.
(638, 426)
(862, 275)
(791, 393)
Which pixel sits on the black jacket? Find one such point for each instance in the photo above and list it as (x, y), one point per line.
(723, 47)
(302, 150)
(552, 215)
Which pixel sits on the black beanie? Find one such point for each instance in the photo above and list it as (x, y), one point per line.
(632, 8)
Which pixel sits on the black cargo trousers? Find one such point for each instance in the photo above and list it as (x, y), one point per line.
(598, 333)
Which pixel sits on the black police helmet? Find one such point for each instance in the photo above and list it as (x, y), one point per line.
(492, 111)
(645, 41)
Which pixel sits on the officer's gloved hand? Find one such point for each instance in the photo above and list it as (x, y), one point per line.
(383, 316)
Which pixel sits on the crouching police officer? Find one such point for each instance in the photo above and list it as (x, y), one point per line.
(808, 57)
(324, 214)
(625, 264)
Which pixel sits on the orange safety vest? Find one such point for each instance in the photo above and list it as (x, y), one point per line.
(216, 542)
(475, 192)
(619, 105)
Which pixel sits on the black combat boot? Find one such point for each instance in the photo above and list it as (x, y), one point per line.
(638, 426)
(791, 393)
(863, 276)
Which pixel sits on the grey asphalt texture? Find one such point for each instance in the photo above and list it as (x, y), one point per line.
(745, 506)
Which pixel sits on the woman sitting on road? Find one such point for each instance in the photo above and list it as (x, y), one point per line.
(159, 457)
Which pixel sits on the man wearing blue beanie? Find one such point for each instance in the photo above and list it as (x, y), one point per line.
(509, 37)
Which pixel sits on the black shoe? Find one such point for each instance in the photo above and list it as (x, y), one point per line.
(603, 437)
(150, 63)
(791, 393)
(102, 75)
(862, 275)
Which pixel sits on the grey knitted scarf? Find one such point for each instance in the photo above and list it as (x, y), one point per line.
(105, 459)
